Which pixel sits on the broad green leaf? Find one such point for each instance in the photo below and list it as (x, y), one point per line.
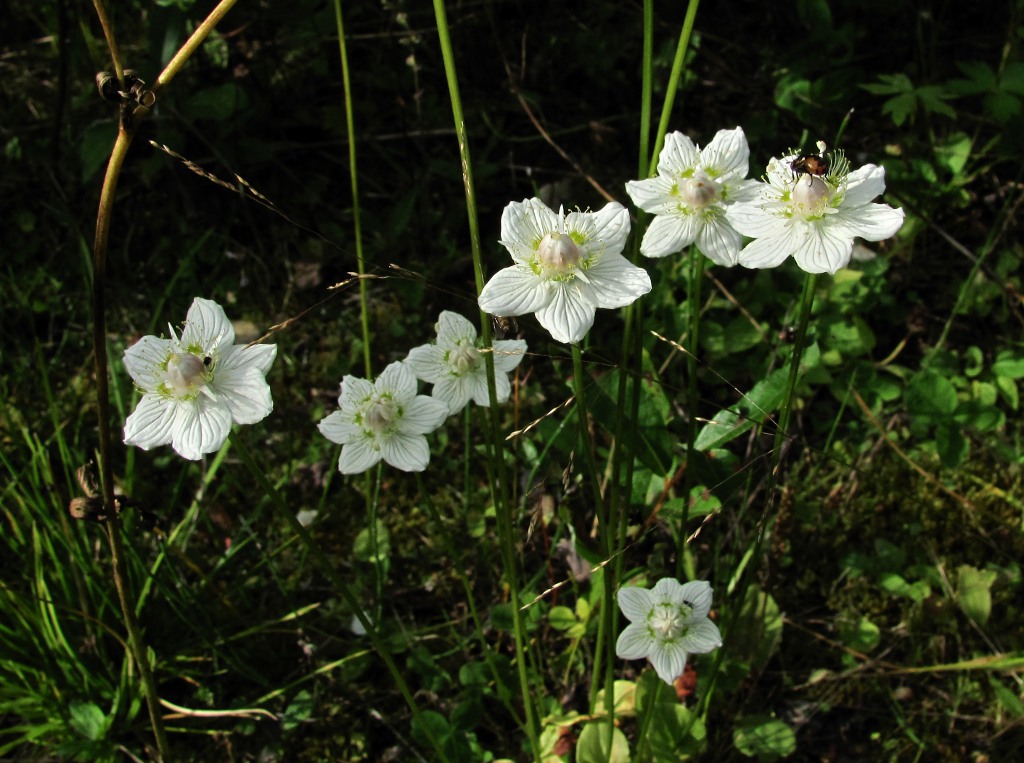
(974, 592)
(764, 737)
(592, 746)
(561, 618)
(88, 720)
(930, 396)
(863, 635)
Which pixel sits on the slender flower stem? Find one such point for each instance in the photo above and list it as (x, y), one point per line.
(354, 176)
(108, 33)
(321, 560)
(499, 485)
(693, 300)
(192, 45)
(605, 653)
(673, 81)
(754, 554)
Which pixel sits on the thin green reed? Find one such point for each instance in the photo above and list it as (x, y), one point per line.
(132, 113)
(499, 485)
(354, 177)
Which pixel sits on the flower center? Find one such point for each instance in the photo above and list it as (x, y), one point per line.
(380, 413)
(464, 358)
(186, 373)
(811, 194)
(558, 254)
(700, 190)
(667, 621)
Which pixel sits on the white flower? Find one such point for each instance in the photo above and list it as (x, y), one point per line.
(456, 367)
(197, 385)
(666, 624)
(383, 419)
(813, 218)
(566, 266)
(691, 193)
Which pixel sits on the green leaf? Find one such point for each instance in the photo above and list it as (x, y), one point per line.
(217, 103)
(863, 635)
(930, 396)
(1009, 364)
(299, 709)
(974, 592)
(88, 720)
(765, 737)
(561, 618)
(951, 443)
(592, 746)
(754, 408)
(757, 631)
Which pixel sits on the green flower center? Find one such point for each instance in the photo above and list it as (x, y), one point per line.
(667, 621)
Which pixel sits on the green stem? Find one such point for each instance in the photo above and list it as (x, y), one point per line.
(354, 177)
(693, 301)
(673, 82)
(288, 515)
(754, 554)
(499, 486)
(605, 651)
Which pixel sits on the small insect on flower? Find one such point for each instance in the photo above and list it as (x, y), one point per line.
(811, 164)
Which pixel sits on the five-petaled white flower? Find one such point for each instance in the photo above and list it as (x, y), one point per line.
(197, 384)
(813, 217)
(566, 266)
(456, 367)
(690, 194)
(383, 419)
(666, 624)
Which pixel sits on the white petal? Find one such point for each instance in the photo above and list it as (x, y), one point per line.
(872, 222)
(678, 155)
(407, 452)
(864, 184)
(452, 327)
(569, 316)
(751, 219)
(702, 637)
(768, 252)
(635, 602)
(523, 225)
(453, 391)
(654, 195)
(502, 389)
(667, 589)
(669, 660)
(358, 456)
(145, 361)
(338, 427)
(697, 595)
(634, 643)
(718, 241)
(207, 326)
(611, 228)
(354, 391)
(259, 356)
(200, 426)
(515, 291)
(727, 153)
(150, 425)
(822, 251)
(399, 380)
(245, 392)
(428, 363)
(616, 282)
(742, 191)
(508, 354)
(668, 234)
(423, 415)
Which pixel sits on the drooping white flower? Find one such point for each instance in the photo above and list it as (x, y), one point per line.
(383, 419)
(690, 194)
(813, 218)
(456, 367)
(197, 385)
(666, 624)
(566, 266)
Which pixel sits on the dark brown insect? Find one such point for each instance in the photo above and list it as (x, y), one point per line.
(809, 164)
